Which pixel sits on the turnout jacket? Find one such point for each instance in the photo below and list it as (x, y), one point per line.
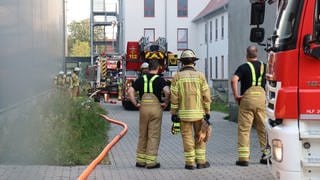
(190, 94)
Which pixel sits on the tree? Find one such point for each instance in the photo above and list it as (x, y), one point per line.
(80, 49)
(79, 37)
(80, 30)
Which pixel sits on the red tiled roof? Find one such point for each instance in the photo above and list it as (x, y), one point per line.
(212, 6)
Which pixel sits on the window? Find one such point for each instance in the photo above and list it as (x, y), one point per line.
(206, 33)
(149, 33)
(216, 29)
(182, 38)
(216, 68)
(222, 67)
(148, 8)
(182, 8)
(222, 27)
(210, 31)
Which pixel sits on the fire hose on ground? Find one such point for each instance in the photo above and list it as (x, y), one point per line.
(105, 151)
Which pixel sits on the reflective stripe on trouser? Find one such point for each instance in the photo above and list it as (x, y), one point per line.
(194, 151)
(251, 112)
(149, 130)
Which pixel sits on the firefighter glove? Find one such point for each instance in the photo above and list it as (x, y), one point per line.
(175, 118)
(175, 128)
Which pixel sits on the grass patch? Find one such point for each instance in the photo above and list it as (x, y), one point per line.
(220, 107)
(79, 131)
(57, 131)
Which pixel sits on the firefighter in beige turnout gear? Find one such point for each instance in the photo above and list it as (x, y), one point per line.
(75, 83)
(150, 87)
(190, 103)
(251, 105)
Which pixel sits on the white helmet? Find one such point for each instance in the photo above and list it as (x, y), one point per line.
(188, 54)
(76, 69)
(61, 72)
(144, 65)
(68, 72)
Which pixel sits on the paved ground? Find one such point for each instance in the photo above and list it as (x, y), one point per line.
(221, 153)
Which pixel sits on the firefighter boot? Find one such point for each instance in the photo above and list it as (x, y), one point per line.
(266, 156)
(242, 163)
(205, 165)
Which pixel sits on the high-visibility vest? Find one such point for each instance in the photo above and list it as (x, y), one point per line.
(256, 82)
(148, 84)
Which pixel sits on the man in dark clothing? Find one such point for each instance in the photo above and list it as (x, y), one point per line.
(150, 87)
(252, 107)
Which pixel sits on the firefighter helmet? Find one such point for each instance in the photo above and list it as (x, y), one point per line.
(76, 69)
(61, 72)
(144, 65)
(68, 72)
(188, 54)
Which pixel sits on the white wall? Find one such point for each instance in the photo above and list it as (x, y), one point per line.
(213, 48)
(135, 22)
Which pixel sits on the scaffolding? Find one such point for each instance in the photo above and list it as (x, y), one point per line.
(104, 28)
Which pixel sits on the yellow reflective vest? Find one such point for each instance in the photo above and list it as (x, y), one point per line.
(190, 94)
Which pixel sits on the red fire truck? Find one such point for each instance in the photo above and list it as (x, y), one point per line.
(143, 51)
(104, 75)
(293, 86)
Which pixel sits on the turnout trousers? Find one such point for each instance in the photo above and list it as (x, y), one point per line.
(251, 112)
(149, 130)
(194, 151)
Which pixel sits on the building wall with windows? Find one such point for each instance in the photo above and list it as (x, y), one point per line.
(212, 26)
(180, 31)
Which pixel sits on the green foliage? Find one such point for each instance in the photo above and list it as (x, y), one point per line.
(79, 38)
(81, 49)
(220, 106)
(80, 30)
(63, 131)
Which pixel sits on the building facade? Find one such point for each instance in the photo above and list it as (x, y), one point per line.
(212, 26)
(31, 47)
(171, 19)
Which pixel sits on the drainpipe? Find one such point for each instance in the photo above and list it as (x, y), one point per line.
(207, 49)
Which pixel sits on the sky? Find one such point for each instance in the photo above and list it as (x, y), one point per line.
(77, 10)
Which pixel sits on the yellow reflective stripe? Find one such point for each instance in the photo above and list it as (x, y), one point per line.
(145, 83)
(261, 73)
(150, 83)
(147, 100)
(189, 156)
(243, 148)
(255, 93)
(145, 86)
(174, 106)
(174, 89)
(150, 159)
(200, 154)
(242, 155)
(161, 55)
(140, 158)
(191, 79)
(253, 74)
